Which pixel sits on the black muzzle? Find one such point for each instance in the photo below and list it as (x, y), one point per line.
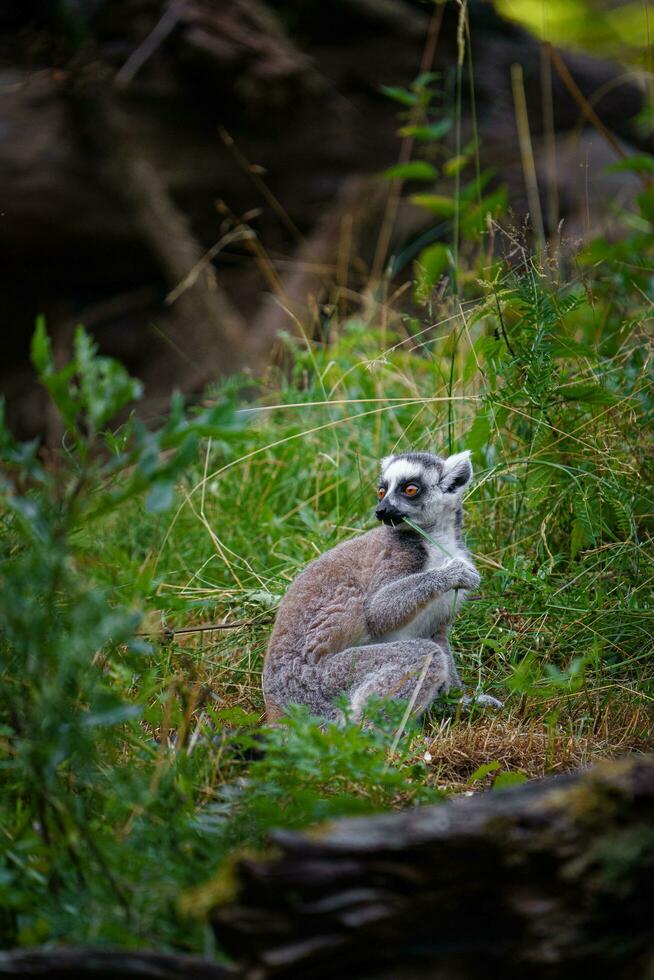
(389, 514)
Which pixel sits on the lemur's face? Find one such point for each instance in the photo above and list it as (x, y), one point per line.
(421, 487)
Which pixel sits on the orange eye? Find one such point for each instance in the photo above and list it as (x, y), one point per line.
(411, 490)
(381, 493)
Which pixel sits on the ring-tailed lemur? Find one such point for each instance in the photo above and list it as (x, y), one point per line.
(371, 616)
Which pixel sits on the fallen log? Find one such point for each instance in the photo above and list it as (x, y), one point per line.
(539, 880)
(80, 964)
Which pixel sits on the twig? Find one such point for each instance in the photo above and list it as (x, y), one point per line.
(527, 152)
(208, 627)
(149, 45)
(254, 173)
(238, 235)
(502, 326)
(583, 103)
(550, 141)
(412, 701)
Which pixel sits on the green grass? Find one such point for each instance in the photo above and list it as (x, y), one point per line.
(558, 517)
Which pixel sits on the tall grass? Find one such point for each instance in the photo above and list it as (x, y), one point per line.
(557, 519)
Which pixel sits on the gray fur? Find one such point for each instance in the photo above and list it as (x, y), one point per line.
(398, 602)
(371, 616)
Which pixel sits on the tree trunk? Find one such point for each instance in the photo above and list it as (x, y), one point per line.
(536, 881)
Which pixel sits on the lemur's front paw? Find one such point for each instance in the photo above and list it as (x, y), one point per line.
(489, 702)
(486, 700)
(464, 576)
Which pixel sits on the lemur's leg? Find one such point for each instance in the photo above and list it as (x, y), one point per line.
(400, 601)
(441, 638)
(406, 670)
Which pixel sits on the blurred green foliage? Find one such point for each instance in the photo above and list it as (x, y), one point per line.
(622, 30)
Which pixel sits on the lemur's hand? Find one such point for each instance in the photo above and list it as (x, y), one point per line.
(463, 575)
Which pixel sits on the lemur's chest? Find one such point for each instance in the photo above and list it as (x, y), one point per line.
(442, 609)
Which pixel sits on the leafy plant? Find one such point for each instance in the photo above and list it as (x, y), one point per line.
(108, 779)
(427, 117)
(308, 771)
(64, 725)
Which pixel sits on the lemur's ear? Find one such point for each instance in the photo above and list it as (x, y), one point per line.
(457, 473)
(385, 461)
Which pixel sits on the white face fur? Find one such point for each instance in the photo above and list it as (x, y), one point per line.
(425, 488)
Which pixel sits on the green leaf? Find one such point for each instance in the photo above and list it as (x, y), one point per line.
(425, 78)
(403, 95)
(432, 132)
(41, 348)
(474, 220)
(639, 164)
(504, 779)
(415, 170)
(436, 203)
(140, 647)
(64, 394)
(592, 393)
(112, 715)
(484, 771)
(105, 385)
(237, 716)
(455, 165)
(160, 498)
(473, 189)
(579, 538)
(434, 262)
(479, 433)
(646, 204)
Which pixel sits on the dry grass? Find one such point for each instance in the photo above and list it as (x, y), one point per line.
(533, 743)
(533, 736)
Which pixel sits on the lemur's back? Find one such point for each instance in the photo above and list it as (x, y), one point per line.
(323, 610)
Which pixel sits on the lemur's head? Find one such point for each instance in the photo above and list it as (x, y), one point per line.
(425, 488)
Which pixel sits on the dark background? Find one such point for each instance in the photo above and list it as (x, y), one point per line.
(139, 134)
